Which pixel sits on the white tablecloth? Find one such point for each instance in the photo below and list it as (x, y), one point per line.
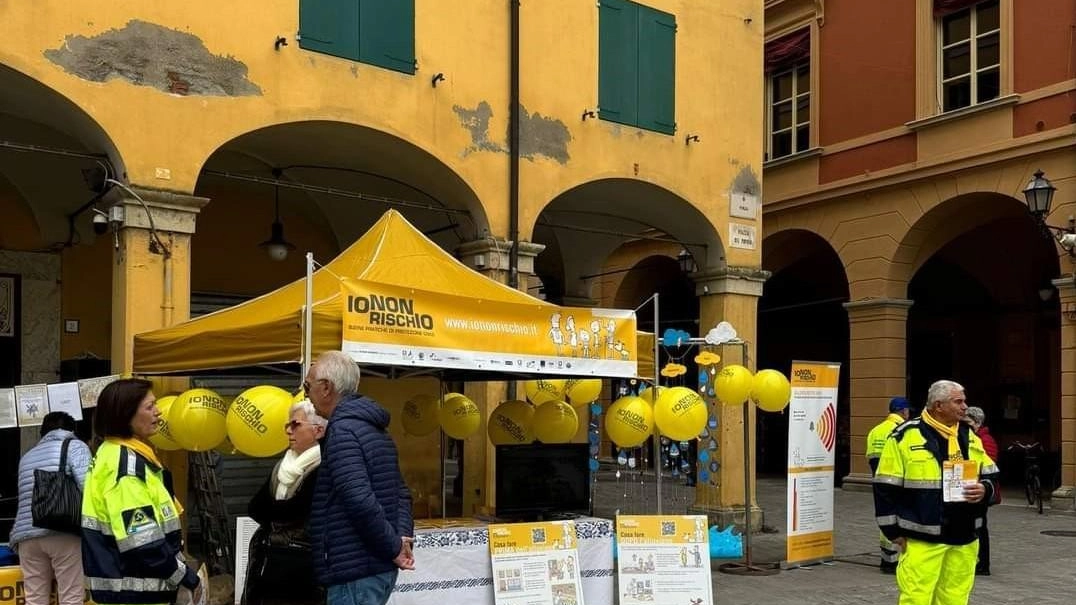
(452, 565)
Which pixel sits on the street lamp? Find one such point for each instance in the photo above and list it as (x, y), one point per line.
(686, 261)
(276, 246)
(1039, 194)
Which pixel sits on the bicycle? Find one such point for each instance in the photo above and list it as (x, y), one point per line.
(1032, 481)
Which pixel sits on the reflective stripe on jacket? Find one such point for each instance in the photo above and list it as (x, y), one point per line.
(877, 436)
(131, 541)
(908, 486)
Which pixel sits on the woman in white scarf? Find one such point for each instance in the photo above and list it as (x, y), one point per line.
(280, 569)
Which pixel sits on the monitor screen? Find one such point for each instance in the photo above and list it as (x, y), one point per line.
(543, 480)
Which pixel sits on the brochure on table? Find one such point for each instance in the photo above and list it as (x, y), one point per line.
(535, 563)
(663, 560)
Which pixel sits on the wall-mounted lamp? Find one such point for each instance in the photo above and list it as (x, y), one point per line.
(438, 77)
(686, 261)
(1039, 194)
(692, 138)
(589, 113)
(280, 41)
(276, 246)
(1046, 293)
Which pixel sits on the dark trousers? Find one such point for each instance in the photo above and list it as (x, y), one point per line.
(984, 548)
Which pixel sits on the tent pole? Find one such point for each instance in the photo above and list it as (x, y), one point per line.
(657, 375)
(308, 316)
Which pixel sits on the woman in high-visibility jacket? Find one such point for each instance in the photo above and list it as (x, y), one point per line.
(131, 541)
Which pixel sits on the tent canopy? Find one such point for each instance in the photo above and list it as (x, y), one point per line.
(268, 330)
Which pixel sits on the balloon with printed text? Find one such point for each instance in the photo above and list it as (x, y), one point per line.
(197, 420)
(512, 423)
(459, 416)
(421, 414)
(555, 422)
(256, 421)
(733, 384)
(629, 421)
(163, 439)
(680, 413)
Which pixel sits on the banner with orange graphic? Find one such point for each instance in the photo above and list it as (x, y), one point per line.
(812, 440)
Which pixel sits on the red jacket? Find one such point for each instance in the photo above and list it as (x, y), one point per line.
(989, 444)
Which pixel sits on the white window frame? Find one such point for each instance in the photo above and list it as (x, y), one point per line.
(973, 65)
(796, 95)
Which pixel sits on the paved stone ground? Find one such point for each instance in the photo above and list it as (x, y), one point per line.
(1027, 567)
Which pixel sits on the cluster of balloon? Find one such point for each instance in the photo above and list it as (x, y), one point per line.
(680, 413)
(629, 421)
(256, 421)
(511, 423)
(163, 439)
(541, 391)
(421, 414)
(196, 420)
(555, 422)
(459, 416)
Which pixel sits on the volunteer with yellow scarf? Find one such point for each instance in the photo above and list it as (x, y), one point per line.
(931, 489)
(131, 540)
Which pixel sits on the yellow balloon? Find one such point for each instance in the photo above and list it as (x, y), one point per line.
(256, 421)
(555, 422)
(460, 417)
(163, 439)
(629, 421)
(511, 423)
(196, 420)
(581, 391)
(543, 390)
(771, 390)
(733, 384)
(420, 414)
(680, 413)
(647, 394)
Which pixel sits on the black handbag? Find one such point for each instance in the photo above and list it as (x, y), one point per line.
(57, 499)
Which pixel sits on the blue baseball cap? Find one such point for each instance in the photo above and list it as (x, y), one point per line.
(897, 404)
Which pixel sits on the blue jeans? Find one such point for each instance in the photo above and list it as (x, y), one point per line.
(371, 590)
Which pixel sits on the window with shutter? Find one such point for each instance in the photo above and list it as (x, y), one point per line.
(377, 32)
(637, 66)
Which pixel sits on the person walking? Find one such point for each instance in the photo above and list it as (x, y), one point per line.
(131, 535)
(46, 555)
(899, 411)
(931, 489)
(281, 568)
(976, 419)
(360, 522)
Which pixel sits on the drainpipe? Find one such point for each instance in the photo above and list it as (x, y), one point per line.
(513, 157)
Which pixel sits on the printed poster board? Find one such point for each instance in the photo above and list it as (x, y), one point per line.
(663, 560)
(535, 563)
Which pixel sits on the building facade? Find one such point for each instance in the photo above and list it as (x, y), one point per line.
(146, 151)
(899, 138)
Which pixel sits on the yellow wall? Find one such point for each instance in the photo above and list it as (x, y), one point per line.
(87, 296)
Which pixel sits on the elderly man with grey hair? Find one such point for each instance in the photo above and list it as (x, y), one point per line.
(360, 525)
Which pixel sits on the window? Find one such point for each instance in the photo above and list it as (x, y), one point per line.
(377, 32)
(637, 66)
(970, 56)
(788, 95)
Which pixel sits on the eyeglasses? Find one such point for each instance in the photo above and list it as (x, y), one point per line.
(294, 424)
(306, 385)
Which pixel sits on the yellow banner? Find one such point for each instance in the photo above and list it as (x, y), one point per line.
(392, 325)
(13, 593)
(513, 538)
(661, 529)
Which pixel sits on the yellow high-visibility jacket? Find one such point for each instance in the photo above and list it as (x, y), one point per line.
(131, 540)
(876, 438)
(908, 486)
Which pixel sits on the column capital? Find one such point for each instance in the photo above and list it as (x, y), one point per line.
(747, 281)
(1065, 285)
(492, 254)
(171, 212)
(877, 306)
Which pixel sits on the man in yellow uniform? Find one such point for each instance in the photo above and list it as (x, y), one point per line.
(931, 489)
(899, 410)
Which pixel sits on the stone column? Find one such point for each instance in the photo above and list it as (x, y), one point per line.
(490, 258)
(151, 281)
(878, 372)
(730, 294)
(1062, 498)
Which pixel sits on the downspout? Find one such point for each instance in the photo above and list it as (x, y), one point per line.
(513, 157)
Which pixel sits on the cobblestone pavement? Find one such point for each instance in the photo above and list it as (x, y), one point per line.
(1027, 566)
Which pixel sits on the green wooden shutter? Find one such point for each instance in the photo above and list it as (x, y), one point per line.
(657, 70)
(330, 27)
(618, 77)
(387, 34)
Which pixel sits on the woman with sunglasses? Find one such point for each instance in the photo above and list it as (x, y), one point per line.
(280, 569)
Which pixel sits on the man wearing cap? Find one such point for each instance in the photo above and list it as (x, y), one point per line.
(899, 411)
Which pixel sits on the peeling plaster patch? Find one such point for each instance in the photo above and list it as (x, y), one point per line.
(355, 71)
(147, 54)
(746, 182)
(539, 135)
(477, 122)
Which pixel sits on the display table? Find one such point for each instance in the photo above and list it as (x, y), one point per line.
(452, 564)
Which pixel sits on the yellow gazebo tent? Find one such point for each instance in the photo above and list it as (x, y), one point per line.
(268, 330)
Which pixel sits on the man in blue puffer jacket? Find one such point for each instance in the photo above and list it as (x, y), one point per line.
(360, 520)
